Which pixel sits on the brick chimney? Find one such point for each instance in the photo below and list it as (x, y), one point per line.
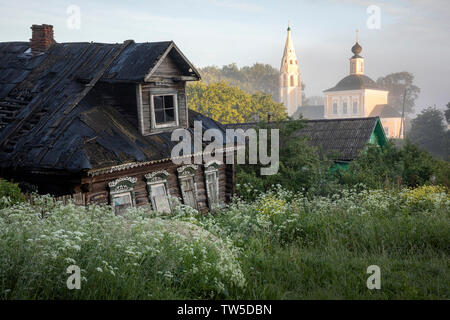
(41, 39)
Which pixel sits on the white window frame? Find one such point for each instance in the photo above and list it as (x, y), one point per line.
(152, 111)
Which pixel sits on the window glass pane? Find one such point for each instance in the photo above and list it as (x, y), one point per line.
(168, 102)
(344, 108)
(158, 102)
(169, 115)
(159, 116)
(121, 202)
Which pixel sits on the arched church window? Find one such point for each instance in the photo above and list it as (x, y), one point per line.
(292, 81)
(291, 61)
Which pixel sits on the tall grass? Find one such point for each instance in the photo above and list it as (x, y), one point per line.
(280, 246)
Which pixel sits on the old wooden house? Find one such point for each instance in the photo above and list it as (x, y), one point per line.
(94, 120)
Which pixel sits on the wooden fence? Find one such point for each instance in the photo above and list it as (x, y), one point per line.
(77, 198)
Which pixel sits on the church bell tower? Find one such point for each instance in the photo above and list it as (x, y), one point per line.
(290, 79)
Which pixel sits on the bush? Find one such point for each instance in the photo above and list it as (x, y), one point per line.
(391, 166)
(135, 256)
(10, 193)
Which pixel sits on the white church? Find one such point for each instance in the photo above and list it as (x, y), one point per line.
(355, 96)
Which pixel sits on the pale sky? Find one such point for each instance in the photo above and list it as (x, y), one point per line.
(413, 34)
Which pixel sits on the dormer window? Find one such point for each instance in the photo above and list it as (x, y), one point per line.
(161, 109)
(164, 110)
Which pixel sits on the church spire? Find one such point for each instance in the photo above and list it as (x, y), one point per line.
(290, 81)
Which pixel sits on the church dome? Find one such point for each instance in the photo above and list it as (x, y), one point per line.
(356, 49)
(355, 82)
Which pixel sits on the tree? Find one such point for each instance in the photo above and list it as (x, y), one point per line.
(428, 132)
(447, 113)
(257, 78)
(228, 104)
(408, 166)
(301, 168)
(396, 84)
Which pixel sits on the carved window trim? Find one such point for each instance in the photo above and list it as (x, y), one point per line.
(187, 172)
(157, 178)
(122, 186)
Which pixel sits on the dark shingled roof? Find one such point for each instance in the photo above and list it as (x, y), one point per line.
(384, 111)
(309, 112)
(45, 120)
(342, 139)
(355, 82)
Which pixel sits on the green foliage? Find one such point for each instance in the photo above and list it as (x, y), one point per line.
(283, 245)
(391, 166)
(257, 78)
(429, 133)
(297, 247)
(397, 83)
(228, 104)
(300, 167)
(9, 193)
(136, 256)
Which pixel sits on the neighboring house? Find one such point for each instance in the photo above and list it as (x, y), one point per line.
(357, 96)
(95, 120)
(341, 139)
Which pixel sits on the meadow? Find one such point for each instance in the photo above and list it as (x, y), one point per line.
(282, 245)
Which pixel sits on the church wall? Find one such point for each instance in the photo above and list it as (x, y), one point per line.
(391, 127)
(340, 97)
(373, 98)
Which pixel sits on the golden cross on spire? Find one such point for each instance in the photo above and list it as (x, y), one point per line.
(357, 35)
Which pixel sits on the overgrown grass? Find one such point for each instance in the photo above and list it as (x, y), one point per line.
(283, 245)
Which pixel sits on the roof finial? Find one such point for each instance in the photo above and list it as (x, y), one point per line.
(357, 35)
(289, 26)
